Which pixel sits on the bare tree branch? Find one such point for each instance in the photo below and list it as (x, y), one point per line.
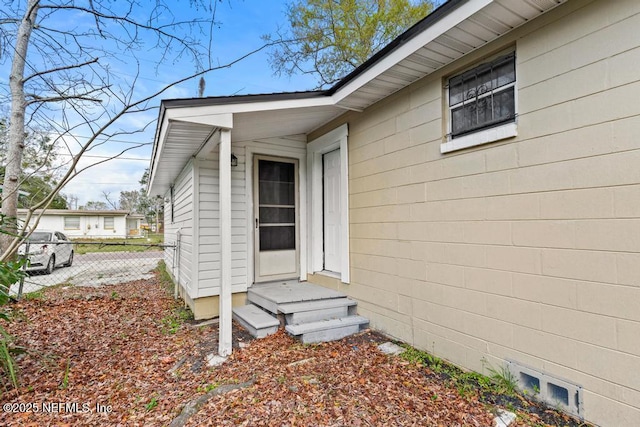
(58, 69)
(111, 203)
(71, 92)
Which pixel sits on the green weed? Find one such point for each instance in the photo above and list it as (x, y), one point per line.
(164, 277)
(504, 381)
(35, 295)
(152, 404)
(422, 358)
(207, 388)
(173, 321)
(65, 378)
(7, 353)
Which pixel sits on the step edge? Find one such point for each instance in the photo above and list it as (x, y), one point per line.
(265, 319)
(303, 328)
(291, 307)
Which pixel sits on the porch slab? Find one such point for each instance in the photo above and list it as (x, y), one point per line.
(270, 295)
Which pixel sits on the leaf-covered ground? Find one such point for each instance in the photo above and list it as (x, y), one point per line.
(123, 355)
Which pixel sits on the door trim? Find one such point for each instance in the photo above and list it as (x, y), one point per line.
(335, 139)
(299, 152)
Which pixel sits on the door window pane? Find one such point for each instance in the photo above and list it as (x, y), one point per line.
(276, 171)
(277, 205)
(277, 215)
(277, 193)
(277, 183)
(277, 238)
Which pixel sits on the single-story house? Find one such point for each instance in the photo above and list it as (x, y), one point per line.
(474, 186)
(103, 224)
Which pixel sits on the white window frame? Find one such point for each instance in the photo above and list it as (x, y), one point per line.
(336, 139)
(113, 223)
(485, 135)
(75, 218)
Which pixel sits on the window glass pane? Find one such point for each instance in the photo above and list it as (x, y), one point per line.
(456, 90)
(277, 215)
(108, 223)
(504, 72)
(475, 97)
(504, 106)
(461, 119)
(482, 84)
(277, 238)
(71, 223)
(484, 111)
(38, 236)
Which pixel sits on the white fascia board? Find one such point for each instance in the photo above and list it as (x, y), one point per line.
(193, 113)
(164, 128)
(463, 12)
(188, 115)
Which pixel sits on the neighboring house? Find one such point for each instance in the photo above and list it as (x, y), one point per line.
(475, 186)
(90, 224)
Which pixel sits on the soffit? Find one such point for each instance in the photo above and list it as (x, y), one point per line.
(470, 26)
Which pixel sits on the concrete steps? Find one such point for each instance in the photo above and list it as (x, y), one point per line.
(256, 321)
(309, 312)
(313, 311)
(327, 330)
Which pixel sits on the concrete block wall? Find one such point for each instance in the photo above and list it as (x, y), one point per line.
(527, 249)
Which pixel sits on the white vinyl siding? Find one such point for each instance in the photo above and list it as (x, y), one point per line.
(209, 232)
(208, 227)
(183, 221)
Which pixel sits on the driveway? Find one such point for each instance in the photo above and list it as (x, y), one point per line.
(96, 269)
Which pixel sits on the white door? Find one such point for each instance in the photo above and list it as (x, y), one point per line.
(276, 218)
(331, 210)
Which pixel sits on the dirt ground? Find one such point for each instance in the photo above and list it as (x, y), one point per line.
(127, 355)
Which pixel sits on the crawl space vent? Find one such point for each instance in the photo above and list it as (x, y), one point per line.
(553, 391)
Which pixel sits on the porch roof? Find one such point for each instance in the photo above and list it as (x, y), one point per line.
(453, 30)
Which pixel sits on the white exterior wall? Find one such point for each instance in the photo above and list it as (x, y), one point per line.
(90, 226)
(527, 249)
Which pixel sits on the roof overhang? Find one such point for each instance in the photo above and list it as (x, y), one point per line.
(190, 128)
(76, 212)
(453, 30)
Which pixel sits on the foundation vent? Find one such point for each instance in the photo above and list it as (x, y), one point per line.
(556, 393)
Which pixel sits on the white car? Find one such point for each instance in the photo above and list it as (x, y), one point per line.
(48, 250)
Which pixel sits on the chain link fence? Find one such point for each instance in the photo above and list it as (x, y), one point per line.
(87, 264)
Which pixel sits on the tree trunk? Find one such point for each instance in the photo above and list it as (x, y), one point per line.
(16, 126)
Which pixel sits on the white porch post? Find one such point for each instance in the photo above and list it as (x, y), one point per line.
(224, 339)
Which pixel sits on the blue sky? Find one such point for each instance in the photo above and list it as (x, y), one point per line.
(242, 23)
